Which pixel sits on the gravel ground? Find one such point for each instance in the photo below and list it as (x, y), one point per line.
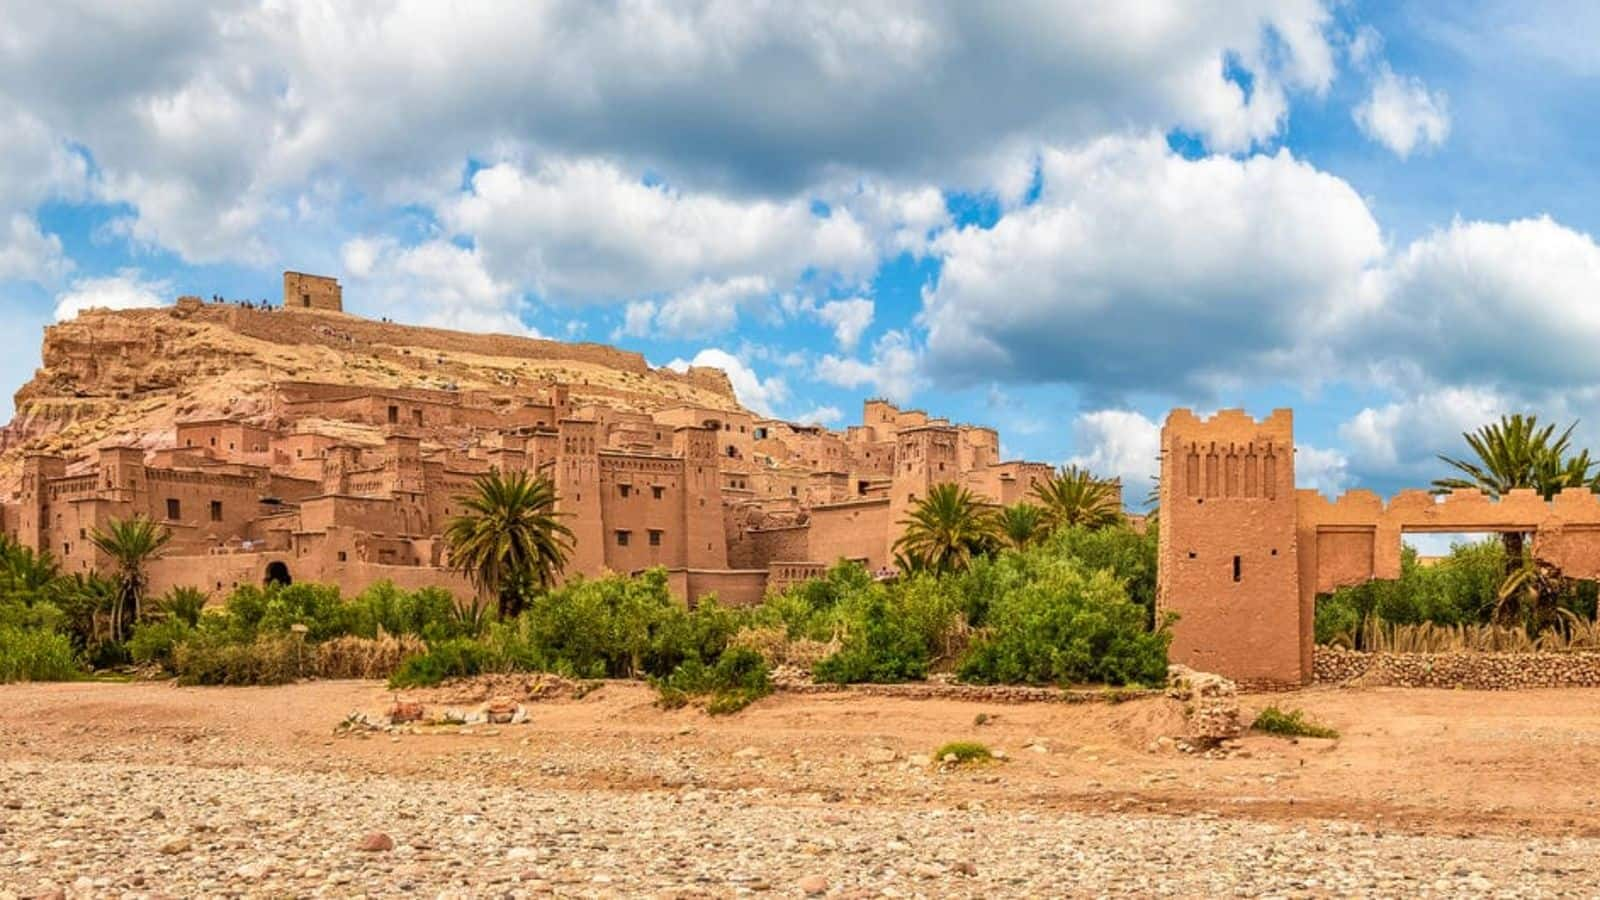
(101, 829)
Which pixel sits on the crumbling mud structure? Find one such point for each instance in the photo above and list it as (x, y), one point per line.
(1243, 555)
(302, 443)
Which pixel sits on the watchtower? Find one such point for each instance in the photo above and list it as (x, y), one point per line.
(1228, 559)
(302, 291)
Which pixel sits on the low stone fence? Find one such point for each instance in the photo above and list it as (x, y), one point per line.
(980, 693)
(1473, 671)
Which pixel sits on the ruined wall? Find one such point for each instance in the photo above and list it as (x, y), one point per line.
(1228, 562)
(302, 291)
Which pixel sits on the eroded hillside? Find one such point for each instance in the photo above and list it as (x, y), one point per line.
(128, 375)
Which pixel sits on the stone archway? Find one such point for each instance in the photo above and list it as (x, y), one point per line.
(278, 573)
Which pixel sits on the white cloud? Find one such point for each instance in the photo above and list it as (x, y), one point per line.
(1130, 247)
(28, 254)
(762, 395)
(1403, 114)
(1119, 443)
(893, 371)
(211, 120)
(1321, 469)
(820, 415)
(583, 231)
(1483, 302)
(128, 289)
(1400, 440)
(849, 320)
(433, 283)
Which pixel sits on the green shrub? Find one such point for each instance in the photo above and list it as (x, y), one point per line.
(1291, 723)
(738, 678)
(154, 642)
(879, 644)
(36, 655)
(455, 658)
(268, 659)
(185, 604)
(1062, 626)
(963, 753)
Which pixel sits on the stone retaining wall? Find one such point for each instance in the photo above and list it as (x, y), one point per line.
(981, 693)
(1475, 671)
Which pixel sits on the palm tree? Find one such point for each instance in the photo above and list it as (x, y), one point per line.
(24, 572)
(1021, 524)
(511, 538)
(1513, 453)
(946, 530)
(1075, 496)
(131, 543)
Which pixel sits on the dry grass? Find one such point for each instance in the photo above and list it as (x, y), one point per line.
(778, 649)
(1574, 633)
(357, 657)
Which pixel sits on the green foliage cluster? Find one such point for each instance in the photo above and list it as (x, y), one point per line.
(963, 753)
(36, 654)
(738, 678)
(1291, 723)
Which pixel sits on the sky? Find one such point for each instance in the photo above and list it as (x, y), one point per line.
(1060, 219)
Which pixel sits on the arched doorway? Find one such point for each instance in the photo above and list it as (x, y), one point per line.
(278, 573)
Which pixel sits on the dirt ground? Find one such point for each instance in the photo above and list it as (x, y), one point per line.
(1451, 768)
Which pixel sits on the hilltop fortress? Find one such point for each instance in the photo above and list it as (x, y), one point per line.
(302, 443)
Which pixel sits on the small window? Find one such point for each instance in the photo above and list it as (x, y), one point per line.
(216, 510)
(394, 415)
(655, 537)
(83, 534)
(66, 549)
(625, 489)
(622, 537)
(656, 491)
(174, 509)
(343, 556)
(416, 417)
(213, 442)
(1236, 568)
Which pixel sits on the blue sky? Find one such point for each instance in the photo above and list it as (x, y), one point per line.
(1059, 219)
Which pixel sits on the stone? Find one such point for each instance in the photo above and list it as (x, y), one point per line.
(375, 842)
(813, 885)
(881, 755)
(175, 844)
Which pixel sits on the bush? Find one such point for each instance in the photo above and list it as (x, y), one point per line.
(268, 659)
(963, 752)
(36, 655)
(185, 604)
(739, 677)
(1292, 723)
(153, 643)
(1063, 626)
(455, 658)
(880, 645)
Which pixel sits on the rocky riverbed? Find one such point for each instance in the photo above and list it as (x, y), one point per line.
(107, 830)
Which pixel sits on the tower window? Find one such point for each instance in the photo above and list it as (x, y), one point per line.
(174, 509)
(1236, 568)
(656, 491)
(216, 510)
(622, 537)
(655, 537)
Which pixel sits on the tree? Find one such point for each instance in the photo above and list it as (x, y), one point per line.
(131, 544)
(946, 530)
(511, 537)
(1076, 496)
(1021, 524)
(23, 572)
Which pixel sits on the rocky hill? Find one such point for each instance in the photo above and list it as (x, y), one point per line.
(128, 375)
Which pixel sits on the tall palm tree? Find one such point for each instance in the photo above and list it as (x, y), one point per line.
(1076, 496)
(131, 544)
(1021, 524)
(946, 530)
(1517, 452)
(510, 538)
